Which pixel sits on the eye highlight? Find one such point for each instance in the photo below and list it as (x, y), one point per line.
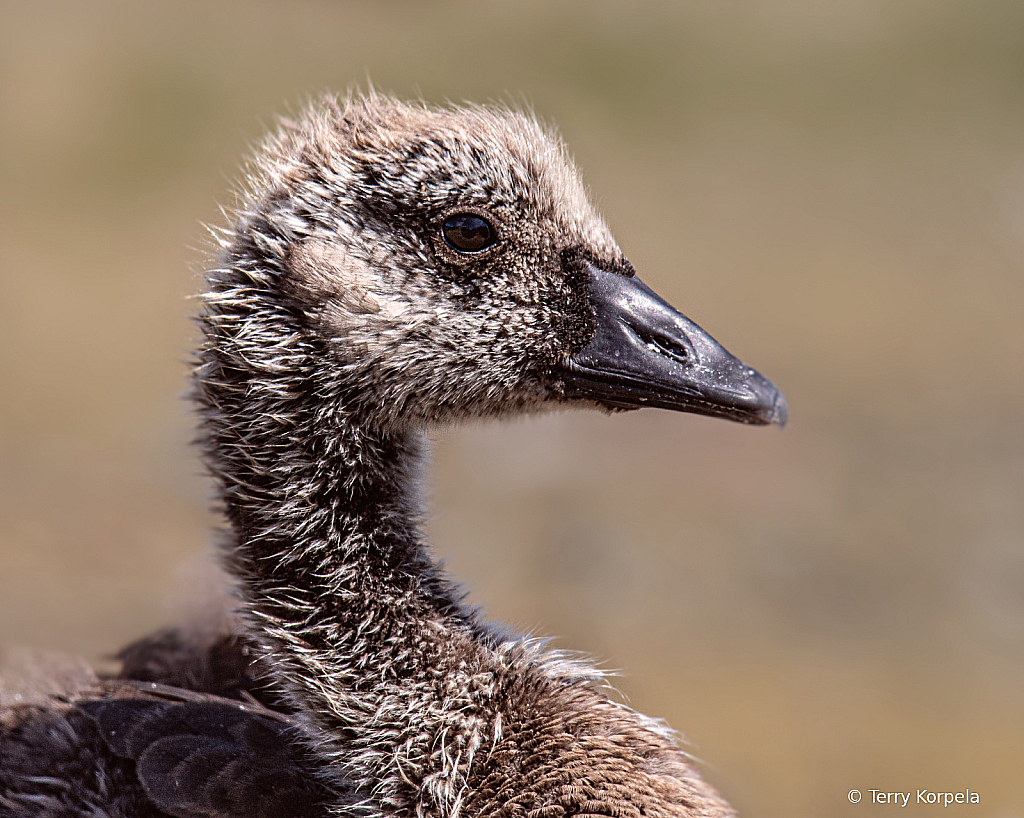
(468, 233)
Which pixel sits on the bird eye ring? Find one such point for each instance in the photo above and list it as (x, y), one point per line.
(468, 233)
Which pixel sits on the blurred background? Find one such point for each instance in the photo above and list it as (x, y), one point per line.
(834, 190)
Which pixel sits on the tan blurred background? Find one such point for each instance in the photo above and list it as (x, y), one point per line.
(835, 190)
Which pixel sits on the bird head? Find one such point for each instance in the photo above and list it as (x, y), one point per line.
(447, 263)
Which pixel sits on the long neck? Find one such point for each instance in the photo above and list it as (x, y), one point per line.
(362, 633)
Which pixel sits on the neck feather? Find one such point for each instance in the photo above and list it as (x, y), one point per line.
(363, 633)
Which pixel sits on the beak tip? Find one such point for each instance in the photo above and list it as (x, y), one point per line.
(779, 412)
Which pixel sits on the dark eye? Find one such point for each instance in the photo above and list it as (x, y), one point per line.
(468, 233)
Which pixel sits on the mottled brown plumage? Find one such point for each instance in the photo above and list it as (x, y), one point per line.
(346, 314)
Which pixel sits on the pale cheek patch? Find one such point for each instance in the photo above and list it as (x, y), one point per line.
(335, 285)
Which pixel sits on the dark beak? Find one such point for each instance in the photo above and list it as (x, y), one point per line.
(646, 353)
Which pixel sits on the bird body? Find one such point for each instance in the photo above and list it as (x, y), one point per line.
(392, 267)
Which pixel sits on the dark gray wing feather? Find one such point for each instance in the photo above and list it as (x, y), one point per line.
(213, 759)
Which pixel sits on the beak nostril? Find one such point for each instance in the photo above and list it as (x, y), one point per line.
(660, 344)
(667, 347)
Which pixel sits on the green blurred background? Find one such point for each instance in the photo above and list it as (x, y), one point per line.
(834, 190)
